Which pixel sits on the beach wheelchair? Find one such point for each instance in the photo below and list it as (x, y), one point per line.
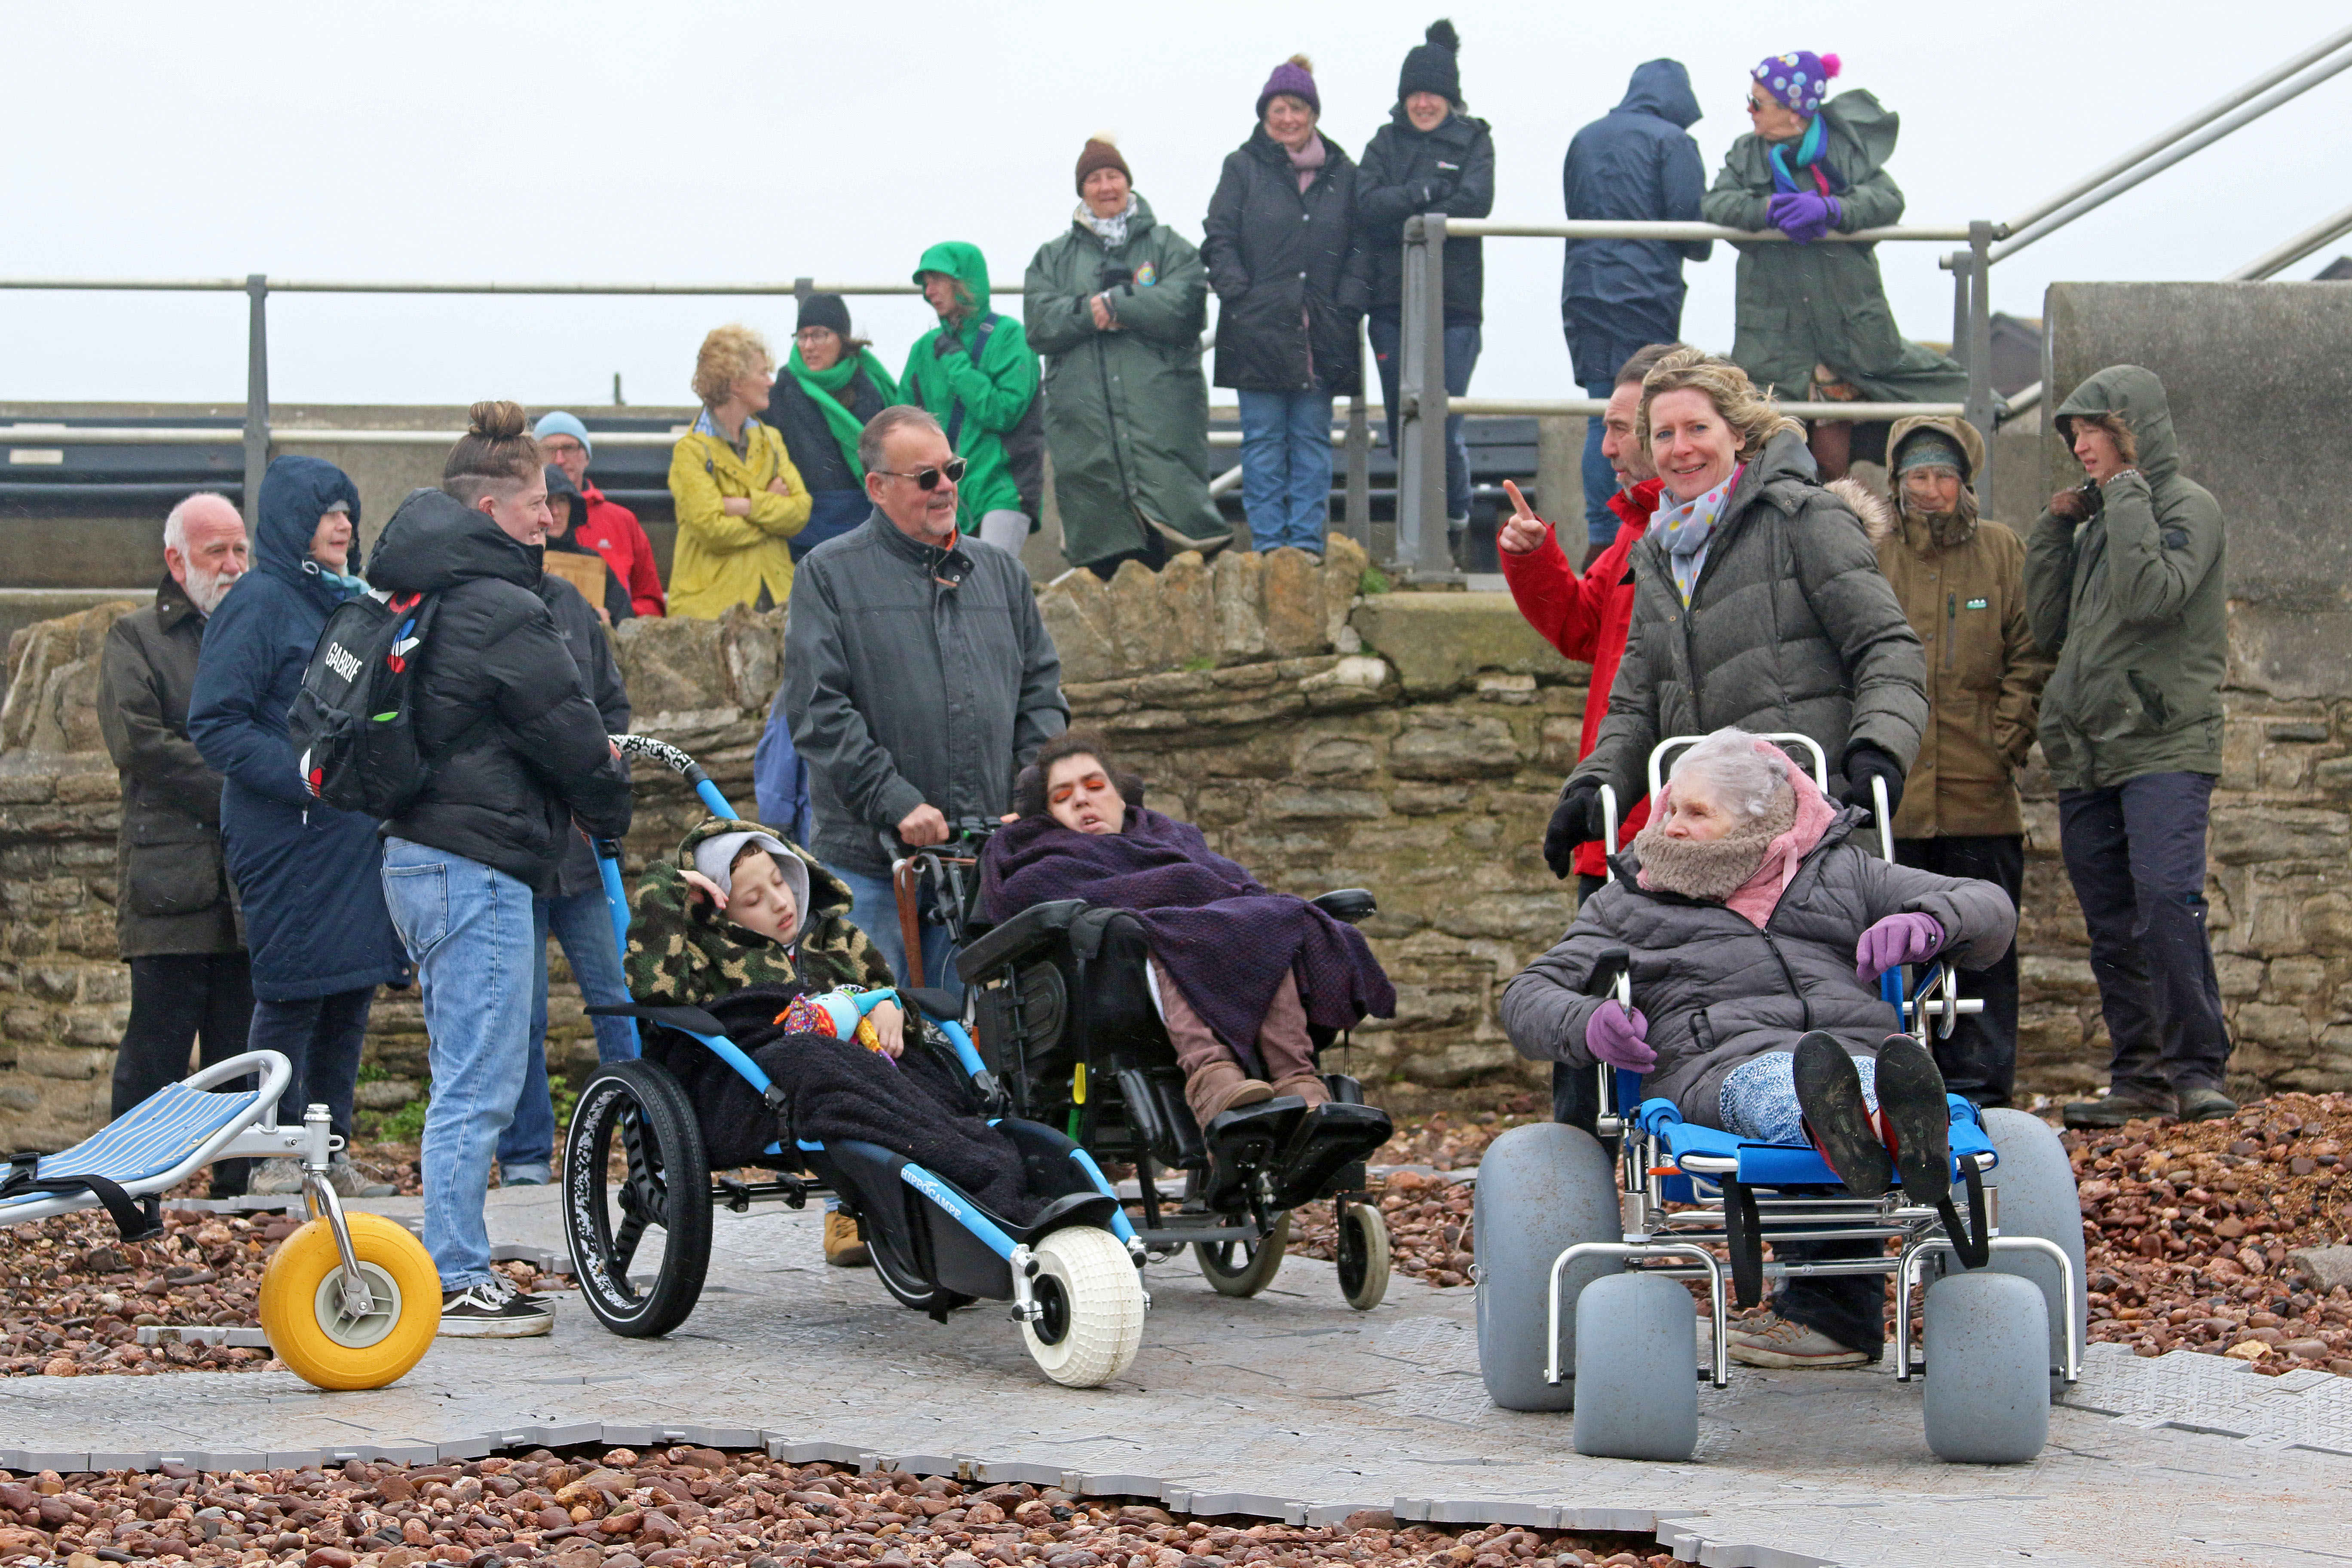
(1061, 1006)
(635, 1164)
(1584, 1242)
(349, 1300)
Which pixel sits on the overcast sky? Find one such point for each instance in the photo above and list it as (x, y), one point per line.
(743, 142)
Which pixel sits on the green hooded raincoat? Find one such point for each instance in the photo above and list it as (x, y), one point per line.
(993, 394)
(1803, 305)
(1127, 411)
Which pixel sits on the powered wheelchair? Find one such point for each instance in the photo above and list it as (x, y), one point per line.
(1583, 1243)
(634, 1162)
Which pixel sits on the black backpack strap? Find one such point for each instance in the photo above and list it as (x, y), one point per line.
(135, 1219)
(979, 347)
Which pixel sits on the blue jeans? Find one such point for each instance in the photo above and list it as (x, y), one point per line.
(873, 910)
(470, 930)
(583, 924)
(1463, 344)
(1286, 470)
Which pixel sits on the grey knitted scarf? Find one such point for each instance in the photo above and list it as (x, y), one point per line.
(1711, 871)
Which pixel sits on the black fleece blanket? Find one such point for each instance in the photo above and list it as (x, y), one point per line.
(1225, 941)
(921, 1107)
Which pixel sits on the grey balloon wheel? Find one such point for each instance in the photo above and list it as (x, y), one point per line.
(1986, 1400)
(2038, 1198)
(1636, 1369)
(1541, 1190)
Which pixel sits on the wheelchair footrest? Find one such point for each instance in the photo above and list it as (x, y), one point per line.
(1243, 1142)
(1326, 1140)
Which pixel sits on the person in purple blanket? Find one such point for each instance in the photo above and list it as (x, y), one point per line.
(1231, 963)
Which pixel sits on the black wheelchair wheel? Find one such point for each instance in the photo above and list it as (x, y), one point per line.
(896, 1266)
(1363, 1248)
(1243, 1268)
(666, 1186)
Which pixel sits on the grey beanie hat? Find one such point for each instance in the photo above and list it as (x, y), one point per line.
(715, 858)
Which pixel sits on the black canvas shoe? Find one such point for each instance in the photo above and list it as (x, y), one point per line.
(1911, 1101)
(493, 1310)
(1828, 1092)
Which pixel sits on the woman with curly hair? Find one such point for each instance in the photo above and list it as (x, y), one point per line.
(1759, 602)
(739, 500)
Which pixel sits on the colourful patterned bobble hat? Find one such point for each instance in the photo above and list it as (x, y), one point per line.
(1799, 79)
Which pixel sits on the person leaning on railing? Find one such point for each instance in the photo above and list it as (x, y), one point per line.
(831, 386)
(1814, 317)
(739, 498)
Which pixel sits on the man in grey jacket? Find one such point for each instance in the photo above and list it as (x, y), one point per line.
(918, 678)
(176, 918)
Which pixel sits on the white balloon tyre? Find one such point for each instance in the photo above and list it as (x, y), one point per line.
(1094, 1298)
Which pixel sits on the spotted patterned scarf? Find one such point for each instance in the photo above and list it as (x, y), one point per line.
(1688, 528)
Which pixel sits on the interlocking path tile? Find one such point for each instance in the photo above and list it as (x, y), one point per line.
(1287, 1405)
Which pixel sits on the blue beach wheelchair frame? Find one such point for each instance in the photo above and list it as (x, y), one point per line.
(1583, 1249)
(1071, 1274)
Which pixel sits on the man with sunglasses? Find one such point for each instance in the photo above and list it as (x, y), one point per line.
(918, 678)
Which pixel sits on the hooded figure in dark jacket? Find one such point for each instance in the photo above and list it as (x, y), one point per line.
(1636, 164)
(314, 911)
(567, 506)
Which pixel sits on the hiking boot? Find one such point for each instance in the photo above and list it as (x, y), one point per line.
(844, 1243)
(1776, 1342)
(350, 1183)
(1828, 1092)
(1308, 1087)
(2117, 1109)
(1917, 1118)
(1220, 1087)
(2206, 1105)
(494, 1309)
(276, 1178)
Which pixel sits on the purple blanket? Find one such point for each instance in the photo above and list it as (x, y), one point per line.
(1225, 941)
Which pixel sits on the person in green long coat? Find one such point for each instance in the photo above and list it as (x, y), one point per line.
(1116, 304)
(1813, 319)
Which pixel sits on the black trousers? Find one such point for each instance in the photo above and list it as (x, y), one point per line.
(179, 1000)
(2136, 853)
(1851, 1309)
(1979, 1061)
(321, 1037)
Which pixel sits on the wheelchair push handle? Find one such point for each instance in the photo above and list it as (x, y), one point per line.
(1886, 816)
(683, 765)
(1608, 831)
(1612, 972)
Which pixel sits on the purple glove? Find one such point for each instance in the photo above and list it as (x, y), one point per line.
(1805, 215)
(1897, 940)
(1615, 1036)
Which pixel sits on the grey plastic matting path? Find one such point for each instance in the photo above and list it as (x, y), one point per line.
(1290, 1405)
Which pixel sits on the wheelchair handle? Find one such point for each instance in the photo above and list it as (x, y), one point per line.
(1608, 831)
(1885, 818)
(1784, 739)
(1613, 972)
(684, 766)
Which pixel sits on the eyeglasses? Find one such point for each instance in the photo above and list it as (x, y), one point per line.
(1092, 783)
(928, 478)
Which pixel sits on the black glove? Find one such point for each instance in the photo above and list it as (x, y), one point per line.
(1866, 763)
(1428, 196)
(1575, 821)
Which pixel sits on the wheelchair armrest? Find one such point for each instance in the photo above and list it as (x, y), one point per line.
(1352, 905)
(932, 1002)
(692, 1020)
(1031, 931)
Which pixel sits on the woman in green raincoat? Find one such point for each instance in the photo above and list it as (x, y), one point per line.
(1116, 304)
(1813, 321)
(976, 375)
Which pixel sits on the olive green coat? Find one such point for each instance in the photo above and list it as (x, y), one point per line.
(1803, 305)
(2133, 602)
(1127, 411)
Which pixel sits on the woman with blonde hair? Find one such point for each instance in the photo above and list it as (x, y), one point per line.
(739, 498)
(1758, 602)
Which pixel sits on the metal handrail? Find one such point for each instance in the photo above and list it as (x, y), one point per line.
(367, 285)
(1590, 407)
(2280, 258)
(1629, 228)
(54, 435)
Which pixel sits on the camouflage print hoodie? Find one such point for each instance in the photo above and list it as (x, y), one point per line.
(684, 953)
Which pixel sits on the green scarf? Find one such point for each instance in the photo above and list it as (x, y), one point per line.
(821, 385)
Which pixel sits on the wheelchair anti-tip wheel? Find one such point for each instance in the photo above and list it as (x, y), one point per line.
(303, 1304)
(1244, 1267)
(1636, 1369)
(1988, 1395)
(1541, 1190)
(638, 1108)
(1363, 1248)
(1090, 1302)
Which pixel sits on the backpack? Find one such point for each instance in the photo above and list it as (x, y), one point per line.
(1024, 444)
(352, 723)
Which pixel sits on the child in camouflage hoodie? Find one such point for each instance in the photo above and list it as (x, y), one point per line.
(736, 907)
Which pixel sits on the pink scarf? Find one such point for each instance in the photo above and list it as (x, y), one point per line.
(1307, 161)
(1757, 897)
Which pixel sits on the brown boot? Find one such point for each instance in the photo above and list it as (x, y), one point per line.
(1306, 1086)
(844, 1243)
(1219, 1087)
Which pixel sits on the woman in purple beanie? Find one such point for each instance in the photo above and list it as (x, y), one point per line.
(1279, 243)
(1813, 320)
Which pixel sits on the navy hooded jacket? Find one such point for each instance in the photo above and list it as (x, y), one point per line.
(309, 877)
(1636, 163)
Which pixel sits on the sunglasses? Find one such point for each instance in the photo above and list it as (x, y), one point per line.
(928, 478)
(1062, 793)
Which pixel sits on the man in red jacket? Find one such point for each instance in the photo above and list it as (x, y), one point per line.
(610, 529)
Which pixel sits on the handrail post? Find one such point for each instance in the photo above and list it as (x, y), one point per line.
(1957, 264)
(1984, 405)
(256, 394)
(1413, 358)
(1359, 524)
(1422, 551)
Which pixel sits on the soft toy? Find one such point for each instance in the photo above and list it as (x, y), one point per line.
(838, 1015)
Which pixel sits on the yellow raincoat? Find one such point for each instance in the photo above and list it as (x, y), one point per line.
(721, 560)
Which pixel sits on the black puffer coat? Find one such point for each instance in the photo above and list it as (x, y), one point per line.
(1288, 271)
(1791, 625)
(1718, 991)
(1406, 173)
(600, 673)
(518, 748)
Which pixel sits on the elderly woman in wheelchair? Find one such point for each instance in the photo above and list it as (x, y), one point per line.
(1755, 928)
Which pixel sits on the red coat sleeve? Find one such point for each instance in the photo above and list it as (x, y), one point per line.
(1564, 607)
(645, 595)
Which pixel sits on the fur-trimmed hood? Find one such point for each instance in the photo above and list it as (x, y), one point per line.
(1869, 507)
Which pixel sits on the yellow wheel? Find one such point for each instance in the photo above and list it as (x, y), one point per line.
(303, 1304)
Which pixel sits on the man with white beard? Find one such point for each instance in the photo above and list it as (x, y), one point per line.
(175, 915)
